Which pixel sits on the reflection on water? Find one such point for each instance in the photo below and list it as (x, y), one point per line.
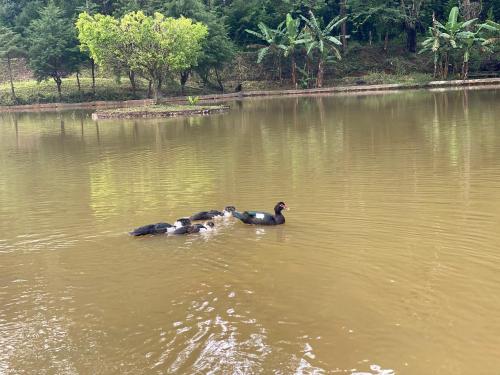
(388, 262)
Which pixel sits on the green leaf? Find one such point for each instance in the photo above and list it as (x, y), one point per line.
(262, 53)
(334, 40)
(453, 18)
(466, 24)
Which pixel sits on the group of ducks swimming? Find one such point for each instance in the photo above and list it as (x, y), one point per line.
(185, 225)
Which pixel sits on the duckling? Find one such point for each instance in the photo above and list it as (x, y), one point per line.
(160, 228)
(212, 214)
(195, 228)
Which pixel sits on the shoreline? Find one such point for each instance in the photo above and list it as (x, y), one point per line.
(360, 89)
(146, 112)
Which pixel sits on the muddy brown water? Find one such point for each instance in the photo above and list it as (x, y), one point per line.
(389, 262)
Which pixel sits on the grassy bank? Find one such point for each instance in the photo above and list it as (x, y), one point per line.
(32, 92)
(107, 89)
(362, 65)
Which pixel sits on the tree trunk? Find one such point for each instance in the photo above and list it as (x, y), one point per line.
(445, 67)
(183, 80)
(92, 65)
(343, 27)
(156, 91)
(386, 41)
(370, 37)
(308, 67)
(465, 70)
(14, 99)
(78, 82)
(58, 81)
(280, 75)
(219, 80)
(411, 38)
(131, 77)
(294, 72)
(319, 80)
(150, 89)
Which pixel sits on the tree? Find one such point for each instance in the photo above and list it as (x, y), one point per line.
(52, 51)
(492, 33)
(150, 46)
(320, 39)
(98, 35)
(217, 48)
(293, 38)
(217, 51)
(10, 47)
(383, 16)
(343, 25)
(456, 36)
(273, 38)
(411, 11)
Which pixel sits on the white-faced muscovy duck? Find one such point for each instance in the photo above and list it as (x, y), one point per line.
(263, 218)
(212, 214)
(195, 228)
(160, 228)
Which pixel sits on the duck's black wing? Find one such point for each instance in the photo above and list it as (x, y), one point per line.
(206, 215)
(157, 228)
(144, 230)
(187, 229)
(255, 217)
(161, 228)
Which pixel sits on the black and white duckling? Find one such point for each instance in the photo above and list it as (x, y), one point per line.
(229, 210)
(179, 223)
(212, 214)
(160, 228)
(263, 218)
(195, 228)
(206, 215)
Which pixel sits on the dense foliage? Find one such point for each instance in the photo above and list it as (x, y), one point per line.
(297, 40)
(152, 46)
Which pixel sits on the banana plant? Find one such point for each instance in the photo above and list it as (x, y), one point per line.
(491, 31)
(293, 38)
(273, 39)
(455, 35)
(433, 44)
(320, 39)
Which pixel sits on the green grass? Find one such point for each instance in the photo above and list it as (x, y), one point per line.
(381, 78)
(33, 92)
(109, 89)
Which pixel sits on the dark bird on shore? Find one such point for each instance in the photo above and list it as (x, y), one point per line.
(209, 215)
(195, 228)
(263, 218)
(160, 228)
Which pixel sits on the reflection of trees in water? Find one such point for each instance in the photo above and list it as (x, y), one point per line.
(274, 141)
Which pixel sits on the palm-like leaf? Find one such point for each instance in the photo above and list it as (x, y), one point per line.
(320, 38)
(262, 53)
(272, 37)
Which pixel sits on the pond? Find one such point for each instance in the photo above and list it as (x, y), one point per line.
(388, 263)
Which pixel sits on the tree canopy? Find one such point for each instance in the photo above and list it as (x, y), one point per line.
(152, 46)
(52, 46)
(295, 39)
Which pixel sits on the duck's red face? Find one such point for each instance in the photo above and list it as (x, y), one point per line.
(283, 205)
